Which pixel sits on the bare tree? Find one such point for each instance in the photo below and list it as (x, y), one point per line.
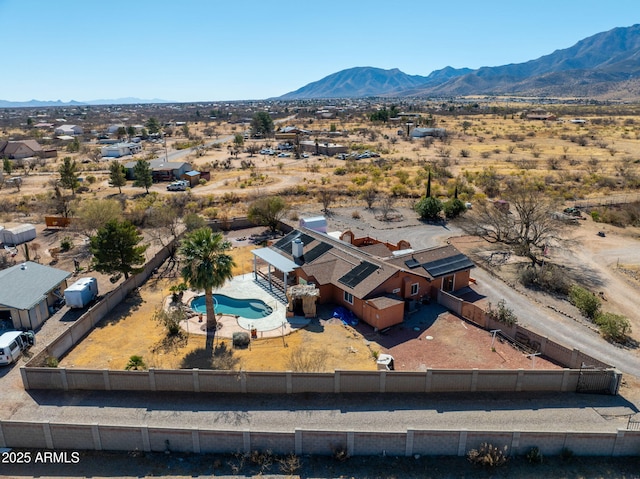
(370, 196)
(326, 197)
(526, 221)
(386, 206)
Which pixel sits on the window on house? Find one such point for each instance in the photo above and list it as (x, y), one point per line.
(414, 289)
(348, 297)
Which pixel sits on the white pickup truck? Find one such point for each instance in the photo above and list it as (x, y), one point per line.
(180, 185)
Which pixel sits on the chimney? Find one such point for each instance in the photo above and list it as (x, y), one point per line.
(296, 248)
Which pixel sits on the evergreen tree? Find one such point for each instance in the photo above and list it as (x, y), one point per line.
(142, 174)
(69, 174)
(115, 248)
(117, 176)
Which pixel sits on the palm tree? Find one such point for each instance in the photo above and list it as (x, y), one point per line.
(206, 266)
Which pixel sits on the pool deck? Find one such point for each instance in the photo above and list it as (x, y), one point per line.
(246, 287)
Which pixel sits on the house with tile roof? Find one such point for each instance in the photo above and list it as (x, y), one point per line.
(28, 291)
(377, 281)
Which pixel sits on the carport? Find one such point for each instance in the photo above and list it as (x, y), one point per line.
(278, 262)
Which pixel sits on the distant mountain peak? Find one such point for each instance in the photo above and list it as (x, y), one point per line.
(605, 65)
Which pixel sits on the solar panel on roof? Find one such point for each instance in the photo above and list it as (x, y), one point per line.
(412, 263)
(358, 274)
(449, 265)
(317, 251)
(284, 243)
(286, 239)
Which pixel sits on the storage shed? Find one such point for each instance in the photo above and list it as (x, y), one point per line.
(18, 234)
(315, 223)
(29, 293)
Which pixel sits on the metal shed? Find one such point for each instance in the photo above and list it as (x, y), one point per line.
(18, 234)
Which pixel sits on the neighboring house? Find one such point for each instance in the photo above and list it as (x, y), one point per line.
(28, 292)
(541, 115)
(16, 150)
(290, 133)
(71, 130)
(161, 169)
(376, 281)
(424, 132)
(322, 148)
(120, 149)
(113, 129)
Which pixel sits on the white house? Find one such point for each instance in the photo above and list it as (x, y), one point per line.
(120, 149)
(72, 130)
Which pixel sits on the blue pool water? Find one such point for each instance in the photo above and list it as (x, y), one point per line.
(246, 308)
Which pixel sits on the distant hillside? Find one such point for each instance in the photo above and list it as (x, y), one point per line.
(605, 65)
(58, 103)
(357, 83)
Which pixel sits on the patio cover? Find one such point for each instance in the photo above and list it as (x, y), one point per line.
(275, 259)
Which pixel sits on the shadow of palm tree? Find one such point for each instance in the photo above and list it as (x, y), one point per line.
(222, 358)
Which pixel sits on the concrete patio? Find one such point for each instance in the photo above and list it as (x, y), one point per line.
(245, 286)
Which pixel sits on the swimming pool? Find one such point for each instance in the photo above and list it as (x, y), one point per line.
(246, 308)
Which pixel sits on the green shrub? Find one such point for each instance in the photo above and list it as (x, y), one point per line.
(429, 208)
(502, 313)
(549, 278)
(534, 456)
(66, 243)
(453, 208)
(51, 362)
(170, 319)
(613, 327)
(91, 179)
(587, 302)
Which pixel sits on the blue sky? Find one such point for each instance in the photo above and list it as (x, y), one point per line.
(205, 50)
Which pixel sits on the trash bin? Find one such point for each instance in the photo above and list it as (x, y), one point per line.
(385, 362)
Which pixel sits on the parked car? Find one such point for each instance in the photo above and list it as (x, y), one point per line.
(12, 343)
(180, 185)
(284, 155)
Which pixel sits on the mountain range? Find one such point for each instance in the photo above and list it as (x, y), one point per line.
(59, 103)
(604, 66)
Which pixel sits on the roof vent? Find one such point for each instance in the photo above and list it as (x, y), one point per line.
(23, 266)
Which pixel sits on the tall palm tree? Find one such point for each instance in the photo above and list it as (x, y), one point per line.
(206, 266)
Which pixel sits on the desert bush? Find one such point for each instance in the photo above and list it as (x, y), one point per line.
(502, 313)
(586, 302)
(534, 456)
(240, 339)
(453, 208)
(51, 362)
(264, 460)
(66, 244)
(613, 327)
(306, 360)
(289, 464)
(340, 453)
(170, 319)
(549, 278)
(488, 455)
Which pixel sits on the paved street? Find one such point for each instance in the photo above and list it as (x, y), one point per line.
(396, 412)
